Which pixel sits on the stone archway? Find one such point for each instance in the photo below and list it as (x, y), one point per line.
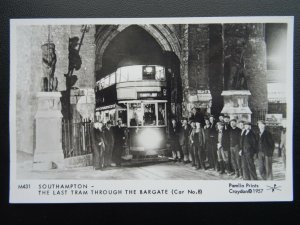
(163, 34)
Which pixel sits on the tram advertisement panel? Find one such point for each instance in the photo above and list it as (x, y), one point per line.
(151, 110)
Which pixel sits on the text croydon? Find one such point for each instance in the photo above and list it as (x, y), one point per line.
(63, 186)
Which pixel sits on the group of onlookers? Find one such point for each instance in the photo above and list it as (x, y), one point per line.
(107, 144)
(225, 145)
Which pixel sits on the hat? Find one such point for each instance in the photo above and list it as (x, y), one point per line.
(226, 116)
(184, 118)
(233, 120)
(261, 121)
(247, 123)
(220, 124)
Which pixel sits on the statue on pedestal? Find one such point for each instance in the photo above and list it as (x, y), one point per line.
(49, 82)
(235, 67)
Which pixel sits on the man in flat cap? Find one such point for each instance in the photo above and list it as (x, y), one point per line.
(265, 151)
(212, 144)
(184, 133)
(227, 129)
(221, 151)
(248, 146)
(235, 136)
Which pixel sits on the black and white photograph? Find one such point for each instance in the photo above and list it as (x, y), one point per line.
(157, 109)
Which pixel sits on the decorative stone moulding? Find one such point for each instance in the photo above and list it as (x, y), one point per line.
(201, 99)
(236, 104)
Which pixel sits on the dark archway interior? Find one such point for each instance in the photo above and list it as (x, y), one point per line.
(133, 46)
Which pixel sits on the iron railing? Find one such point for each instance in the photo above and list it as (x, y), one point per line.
(76, 138)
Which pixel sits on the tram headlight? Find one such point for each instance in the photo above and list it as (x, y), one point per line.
(150, 138)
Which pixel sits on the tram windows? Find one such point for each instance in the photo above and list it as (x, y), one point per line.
(135, 114)
(122, 114)
(106, 82)
(112, 79)
(149, 115)
(161, 114)
(149, 72)
(123, 74)
(134, 73)
(160, 73)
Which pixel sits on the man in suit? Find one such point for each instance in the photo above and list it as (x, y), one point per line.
(265, 151)
(119, 143)
(248, 146)
(109, 139)
(184, 140)
(197, 116)
(174, 137)
(198, 141)
(235, 136)
(97, 138)
(226, 142)
(282, 145)
(212, 144)
(221, 151)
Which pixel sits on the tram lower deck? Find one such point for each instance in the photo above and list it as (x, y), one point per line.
(146, 123)
(141, 103)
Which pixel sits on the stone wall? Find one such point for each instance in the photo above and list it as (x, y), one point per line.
(250, 39)
(216, 67)
(198, 67)
(29, 72)
(198, 56)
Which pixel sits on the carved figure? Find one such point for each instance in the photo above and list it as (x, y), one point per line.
(235, 68)
(49, 82)
(74, 57)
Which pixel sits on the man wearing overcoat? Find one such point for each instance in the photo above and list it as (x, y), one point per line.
(248, 146)
(265, 151)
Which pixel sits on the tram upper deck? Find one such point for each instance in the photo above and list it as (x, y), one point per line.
(140, 100)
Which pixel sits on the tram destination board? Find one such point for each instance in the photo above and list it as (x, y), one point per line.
(151, 110)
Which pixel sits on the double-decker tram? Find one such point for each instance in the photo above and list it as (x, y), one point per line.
(136, 94)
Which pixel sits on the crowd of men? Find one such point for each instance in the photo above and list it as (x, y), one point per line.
(227, 146)
(224, 145)
(107, 144)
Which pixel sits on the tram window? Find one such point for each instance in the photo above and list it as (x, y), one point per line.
(134, 73)
(135, 114)
(160, 73)
(118, 75)
(149, 115)
(123, 74)
(122, 114)
(112, 79)
(102, 85)
(106, 81)
(149, 72)
(161, 113)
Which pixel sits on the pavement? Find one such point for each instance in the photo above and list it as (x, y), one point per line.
(161, 170)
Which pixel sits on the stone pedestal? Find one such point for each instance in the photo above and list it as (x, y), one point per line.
(48, 153)
(236, 104)
(201, 99)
